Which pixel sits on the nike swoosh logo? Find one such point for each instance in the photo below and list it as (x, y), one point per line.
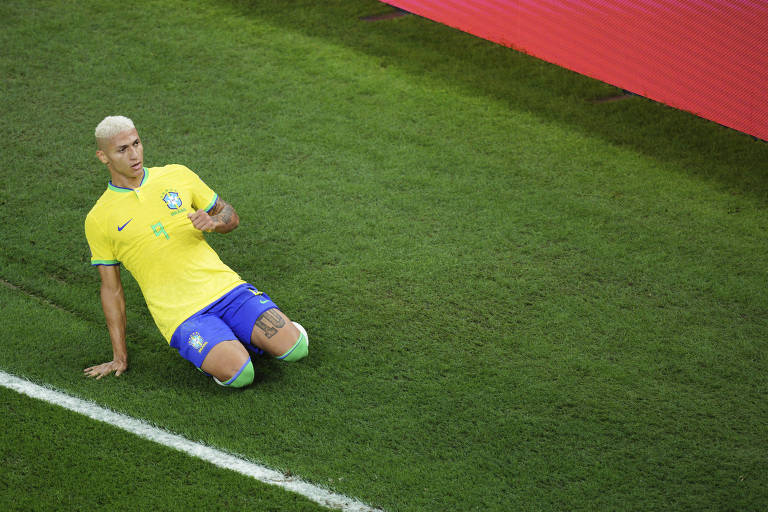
(262, 301)
(120, 228)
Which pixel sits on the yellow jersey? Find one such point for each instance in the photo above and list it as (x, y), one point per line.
(147, 230)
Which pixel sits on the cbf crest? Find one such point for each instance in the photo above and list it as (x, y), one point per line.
(172, 199)
(196, 341)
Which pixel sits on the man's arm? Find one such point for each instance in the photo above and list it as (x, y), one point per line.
(113, 304)
(221, 219)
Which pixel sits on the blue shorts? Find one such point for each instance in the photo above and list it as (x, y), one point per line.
(231, 317)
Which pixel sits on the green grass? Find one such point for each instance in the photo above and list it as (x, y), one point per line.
(58, 460)
(517, 298)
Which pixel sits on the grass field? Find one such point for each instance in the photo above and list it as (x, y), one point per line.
(517, 297)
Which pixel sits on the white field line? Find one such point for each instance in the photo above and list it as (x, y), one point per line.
(212, 455)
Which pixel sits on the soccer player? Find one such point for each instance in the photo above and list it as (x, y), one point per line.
(151, 221)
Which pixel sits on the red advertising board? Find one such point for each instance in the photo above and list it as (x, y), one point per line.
(707, 57)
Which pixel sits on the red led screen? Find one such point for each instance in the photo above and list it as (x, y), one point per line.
(705, 56)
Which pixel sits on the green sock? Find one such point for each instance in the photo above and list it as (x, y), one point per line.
(298, 351)
(245, 377)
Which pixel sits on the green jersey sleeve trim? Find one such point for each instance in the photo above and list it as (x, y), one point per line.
(213, 203)
(104, 262)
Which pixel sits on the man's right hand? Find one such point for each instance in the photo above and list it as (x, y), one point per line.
(104, 369)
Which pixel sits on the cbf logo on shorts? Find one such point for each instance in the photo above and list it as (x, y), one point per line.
(197, 342)
(172, 199)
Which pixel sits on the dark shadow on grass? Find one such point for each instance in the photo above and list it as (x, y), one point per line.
(172, 371)
(693, 145)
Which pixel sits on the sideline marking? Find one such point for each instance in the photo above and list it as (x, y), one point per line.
(212, 455)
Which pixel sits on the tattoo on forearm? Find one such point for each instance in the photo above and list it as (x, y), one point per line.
(226, 213)
(269, 322)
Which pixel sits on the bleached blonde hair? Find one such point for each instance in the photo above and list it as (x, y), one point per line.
(111, 126)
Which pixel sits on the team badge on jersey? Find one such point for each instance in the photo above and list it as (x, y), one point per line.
(172, 199)
(197, 342)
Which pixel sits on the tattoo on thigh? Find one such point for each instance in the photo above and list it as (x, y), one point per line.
(269, 322)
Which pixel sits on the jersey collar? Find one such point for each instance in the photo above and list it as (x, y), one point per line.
(115, 188)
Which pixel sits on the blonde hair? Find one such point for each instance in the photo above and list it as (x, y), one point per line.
(111, 126)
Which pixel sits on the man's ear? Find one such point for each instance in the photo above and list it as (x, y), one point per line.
(102, 156)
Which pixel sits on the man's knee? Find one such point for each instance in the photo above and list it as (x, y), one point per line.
(300, 349)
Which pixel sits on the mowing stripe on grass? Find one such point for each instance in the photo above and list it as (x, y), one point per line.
(212, 455)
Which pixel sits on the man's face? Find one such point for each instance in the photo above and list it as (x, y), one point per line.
(124, 156)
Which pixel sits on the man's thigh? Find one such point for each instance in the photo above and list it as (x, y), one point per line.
(258, 322)
(242, 308)
(274, 333)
